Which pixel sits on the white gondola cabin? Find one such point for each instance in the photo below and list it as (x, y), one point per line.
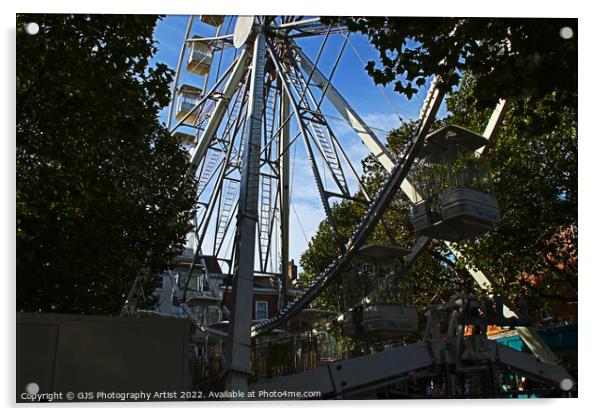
(381, 321)
(203, 300)
(381, 255)
(185, 138)
(446, 175)
(188, 97)
(462, 213)
(188, 141)
(199, 57)
(447, 142)
(213, 20)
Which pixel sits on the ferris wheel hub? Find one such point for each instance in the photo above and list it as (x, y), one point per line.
(243, 30)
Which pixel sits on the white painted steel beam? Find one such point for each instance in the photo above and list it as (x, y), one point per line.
(363, 374)
(220, 109)
(341, 377)
(284, 192)
(238, 351)
(494, 124)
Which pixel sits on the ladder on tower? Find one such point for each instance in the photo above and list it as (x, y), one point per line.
(265, 220)
(269, 110)
(209, 164)
(205, 115)
(229, 197)
(230, 128)
(321, 131)
(233, 115)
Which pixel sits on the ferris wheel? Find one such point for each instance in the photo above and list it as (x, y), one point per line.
(210, 118)
(251, 94)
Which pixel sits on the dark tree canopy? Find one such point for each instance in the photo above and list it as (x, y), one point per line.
(532, 253)
(101, 185)
(533, 160)
(509, 57)
(534, 173)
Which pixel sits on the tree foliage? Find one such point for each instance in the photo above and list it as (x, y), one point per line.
(101, 186)
(532, 253)
(532, 161)
(508, 57)
(534, 172)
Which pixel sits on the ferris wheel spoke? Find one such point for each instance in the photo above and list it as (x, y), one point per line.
(323, 136)
(353, 119)
(227, 156)
(269, 118)
(216, 194)
(223, 195)
(286, 81)
(348, 113)
(239, 67)
(212, 166)
(283, 122)
(234, 116)
(263, 226)
(269, 197)
(272, 231)
(178, 72)
(226, 210)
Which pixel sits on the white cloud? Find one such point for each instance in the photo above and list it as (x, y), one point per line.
(382, 121)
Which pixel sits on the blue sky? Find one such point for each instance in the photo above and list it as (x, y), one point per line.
(379, 107)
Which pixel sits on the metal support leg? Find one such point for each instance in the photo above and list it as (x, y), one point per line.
(238, 354)
(284, 192)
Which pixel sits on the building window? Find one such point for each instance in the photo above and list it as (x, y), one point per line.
(261, 309)
(203, 285)
(194, 282)
(214, 315)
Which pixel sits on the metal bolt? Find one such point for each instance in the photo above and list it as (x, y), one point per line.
(566, 33)
(32, 28)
